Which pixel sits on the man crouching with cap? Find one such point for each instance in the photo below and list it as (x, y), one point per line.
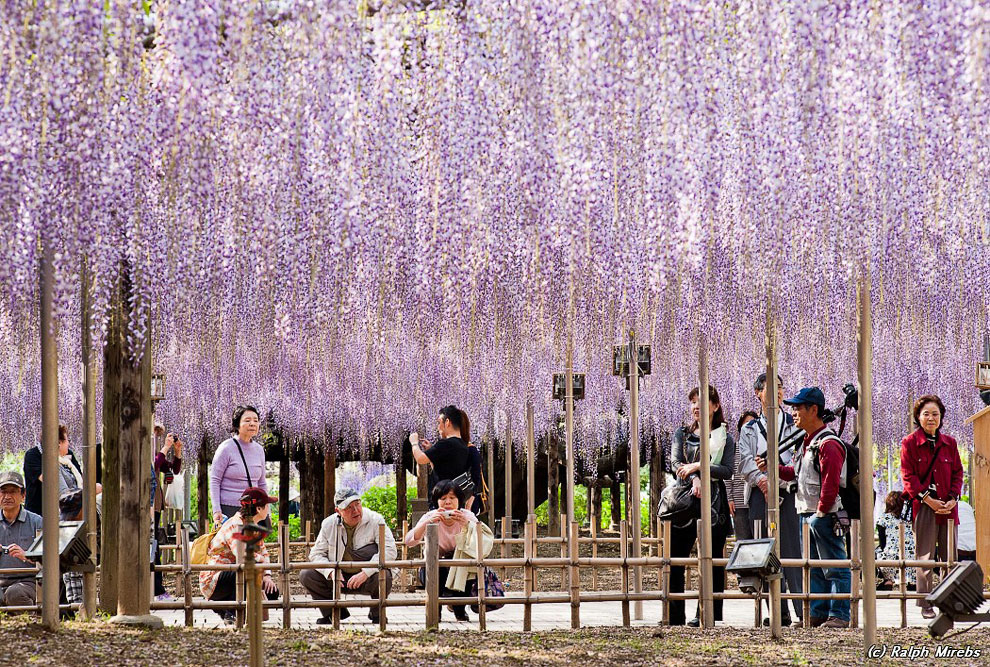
(18, 528)
(350, 534)
(819, 464)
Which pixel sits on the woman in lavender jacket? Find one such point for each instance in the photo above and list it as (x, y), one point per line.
(238, 464)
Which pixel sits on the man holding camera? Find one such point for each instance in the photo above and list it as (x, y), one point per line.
(350, 534)
(18, 529)
(819, 466)
(753, 447)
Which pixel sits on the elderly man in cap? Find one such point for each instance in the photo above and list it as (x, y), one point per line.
(819, 465)
(18, 528)
(350, 534)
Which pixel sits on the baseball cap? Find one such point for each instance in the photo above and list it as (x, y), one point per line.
(807, 396)
(11, 477)
(255, 495)
(344, 497)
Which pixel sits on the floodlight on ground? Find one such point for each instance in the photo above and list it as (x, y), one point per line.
(754, 562)
(560, 386)
(72, 548)
(957, 598)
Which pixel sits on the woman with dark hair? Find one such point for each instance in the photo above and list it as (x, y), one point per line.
(225, 549)
(239, 463)
(449, 457)
(687, 467)
(452, 522)
(932, 473)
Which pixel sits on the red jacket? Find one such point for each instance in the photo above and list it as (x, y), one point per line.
(831, 456)
(916, 457)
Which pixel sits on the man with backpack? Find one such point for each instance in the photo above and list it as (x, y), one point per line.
(820, 467)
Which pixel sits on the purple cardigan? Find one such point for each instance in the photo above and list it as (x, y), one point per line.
(227, 478)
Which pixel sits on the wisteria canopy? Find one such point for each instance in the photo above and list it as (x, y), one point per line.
(353, 213)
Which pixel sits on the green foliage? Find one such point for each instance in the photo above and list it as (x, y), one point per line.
(382, 499)
(581, 508)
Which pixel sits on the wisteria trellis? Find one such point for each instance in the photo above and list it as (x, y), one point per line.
(352, 213)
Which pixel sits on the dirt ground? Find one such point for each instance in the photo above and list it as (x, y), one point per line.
(98, 643)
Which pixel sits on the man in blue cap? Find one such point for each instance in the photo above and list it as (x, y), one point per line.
(819, 465)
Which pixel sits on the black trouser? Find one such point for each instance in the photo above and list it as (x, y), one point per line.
(159, 534)
(790, 544)
(682, 539)
(226, 589)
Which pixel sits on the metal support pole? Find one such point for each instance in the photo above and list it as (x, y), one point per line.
(868, 557)
(773, 472)
(705, 534)
(635, 508)
(49, 445)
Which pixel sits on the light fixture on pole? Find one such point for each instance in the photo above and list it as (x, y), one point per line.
(157, 389)
(958, 597)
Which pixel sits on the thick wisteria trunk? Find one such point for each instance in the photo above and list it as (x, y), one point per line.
(203, 518)
(112, 358)
(553, 484)
(658, 480)
(311, 475)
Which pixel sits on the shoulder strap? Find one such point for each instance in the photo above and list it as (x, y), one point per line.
(926, 479)
(763, 429)
(247, 471)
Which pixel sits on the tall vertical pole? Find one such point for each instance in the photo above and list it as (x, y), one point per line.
(868, 558)
(635, 508)
(89, 444)
(530, 463)
(705, 536)
(507, 513)
(110, 527)
(569, 432)
(49, 444)
(773, 472)
(490, 472)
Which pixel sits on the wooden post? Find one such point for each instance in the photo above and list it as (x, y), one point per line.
(335, 611)
(806, 571)
(657, 479)
(773, 460)
(865, 415)
(564, 539)
(404, 554)
(329, 478)
(902, 584)
(507, 451)
(615, 498)
(187, 591)
(635, 507)
(381, 578)
(575, 577)
(490, 473)
(401, 502)
(665, 575)
(705, 534)
(553, 484)
(857, 563)
(528, 534)
(482, 613)
(49, 442)
(594, 549)
(624, 554)
(530, 462)
(283, 557)
(283, 485)
(204, 517)
(89, 444)
(432, 556)
(506, 534)
(256, 650)
(569, 432)
(110, 527)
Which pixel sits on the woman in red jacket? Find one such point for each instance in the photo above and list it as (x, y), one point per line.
(932, 473)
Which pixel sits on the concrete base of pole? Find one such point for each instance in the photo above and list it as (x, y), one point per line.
(145, 621)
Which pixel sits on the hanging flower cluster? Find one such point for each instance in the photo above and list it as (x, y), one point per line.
(351, 214)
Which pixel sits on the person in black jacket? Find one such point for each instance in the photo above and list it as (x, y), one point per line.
(32, 470)
(686, 452)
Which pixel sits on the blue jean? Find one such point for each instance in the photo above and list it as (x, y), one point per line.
(826, 545)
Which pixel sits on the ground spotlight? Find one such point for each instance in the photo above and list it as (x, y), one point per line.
(754, 562)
